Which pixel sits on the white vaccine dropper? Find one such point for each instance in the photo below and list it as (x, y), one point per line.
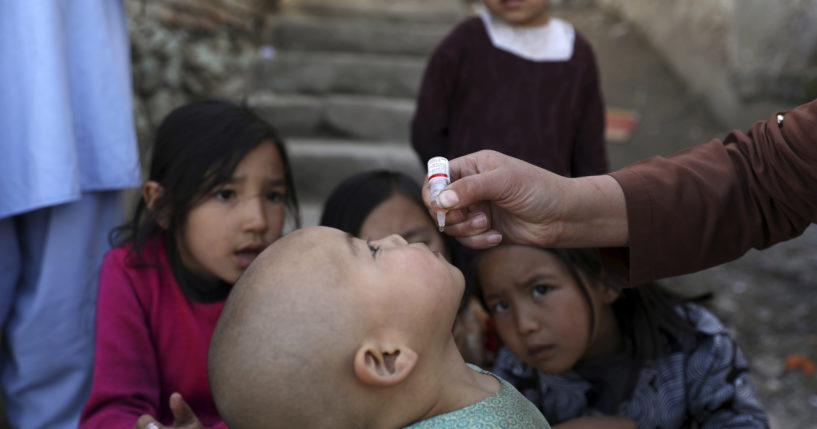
(438, 179)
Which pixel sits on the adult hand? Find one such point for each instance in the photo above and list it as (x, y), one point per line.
(495, 197)
(183, 416)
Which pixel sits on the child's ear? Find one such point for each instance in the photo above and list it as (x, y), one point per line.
(610, 294)
(383, 365)
(612, 289)
(151, 191)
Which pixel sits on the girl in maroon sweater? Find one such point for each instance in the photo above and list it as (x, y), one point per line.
(517, 81)
(218, 190)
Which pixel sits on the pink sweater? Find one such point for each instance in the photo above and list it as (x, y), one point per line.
(151, 341)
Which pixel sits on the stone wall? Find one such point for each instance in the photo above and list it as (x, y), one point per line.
(746, 57)
(187, 49)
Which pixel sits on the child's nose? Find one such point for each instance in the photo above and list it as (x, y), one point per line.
(525, 322)
(255, 217)
(393, 240)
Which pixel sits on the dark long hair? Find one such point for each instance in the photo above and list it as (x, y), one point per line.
(348, 205)
(643, 313)
(197, 147)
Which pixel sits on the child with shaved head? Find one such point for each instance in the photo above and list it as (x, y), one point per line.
(327, 330)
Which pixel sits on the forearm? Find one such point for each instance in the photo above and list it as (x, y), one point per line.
(594, 213)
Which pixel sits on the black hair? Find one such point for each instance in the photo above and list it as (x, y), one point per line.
(348, 205)
(196, 148)
(643, 313)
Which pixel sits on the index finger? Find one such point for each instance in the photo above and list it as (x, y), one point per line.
(182, 413)
(463, 166)
(475, 178)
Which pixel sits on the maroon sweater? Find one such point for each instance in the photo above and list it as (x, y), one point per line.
(475, 96)
(151, 341)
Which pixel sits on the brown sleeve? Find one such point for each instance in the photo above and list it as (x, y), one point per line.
(710, 204)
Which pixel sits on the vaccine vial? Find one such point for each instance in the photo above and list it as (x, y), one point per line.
(438, 179)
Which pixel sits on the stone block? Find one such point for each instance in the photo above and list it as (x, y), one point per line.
(342, 73)
(292, 115)
(319, 165)
(370, 118)
(382, 10)
(353, 117)
(356, 35)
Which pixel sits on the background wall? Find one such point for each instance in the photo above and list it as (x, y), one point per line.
(745, 57)
(185, 49)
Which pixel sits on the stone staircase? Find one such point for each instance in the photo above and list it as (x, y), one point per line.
(339, 80)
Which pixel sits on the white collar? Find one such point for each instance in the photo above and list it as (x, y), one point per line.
(550, 42)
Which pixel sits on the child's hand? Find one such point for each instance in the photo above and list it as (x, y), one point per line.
(469, 334)
(607, 422)
(183, 416)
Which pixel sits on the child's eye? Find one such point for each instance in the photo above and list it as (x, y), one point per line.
(498, 307)
(372, 248)
(224, 194)
(541, 290)
(275, 196)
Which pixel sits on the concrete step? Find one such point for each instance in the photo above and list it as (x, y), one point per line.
(292, 72)
(356, 34)
(343, 116)
(318, 165)
(381, 10)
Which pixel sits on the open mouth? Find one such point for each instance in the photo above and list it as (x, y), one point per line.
(245, 256)
(541, 352)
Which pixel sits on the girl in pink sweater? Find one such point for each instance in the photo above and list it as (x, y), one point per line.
(218, 192)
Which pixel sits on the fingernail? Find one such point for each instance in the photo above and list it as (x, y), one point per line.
(151, 425)
(448, 199)
(494, 238)
(480, 221)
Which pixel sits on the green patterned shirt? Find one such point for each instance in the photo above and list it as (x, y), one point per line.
(505, 409)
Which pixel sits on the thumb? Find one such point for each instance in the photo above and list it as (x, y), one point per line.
(182, 413)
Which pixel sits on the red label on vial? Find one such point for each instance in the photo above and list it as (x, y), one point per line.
(437, 175)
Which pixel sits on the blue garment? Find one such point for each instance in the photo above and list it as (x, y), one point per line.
(704, 383)
(67, 149)
(505, 409)
(50, 267)
(66, 119)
